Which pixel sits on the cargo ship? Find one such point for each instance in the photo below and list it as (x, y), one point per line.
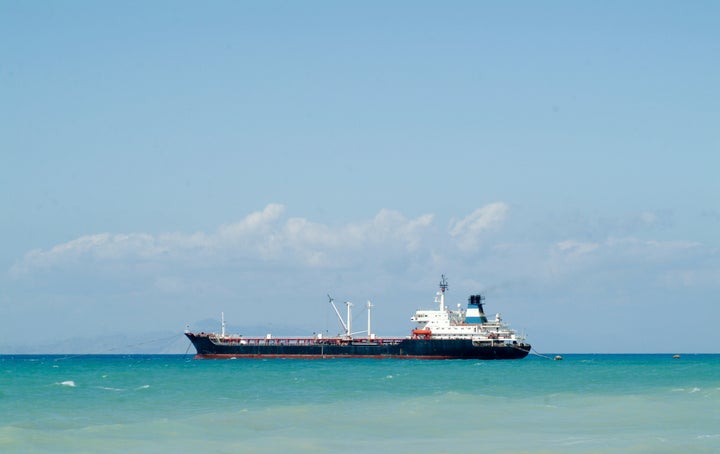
(439, 333)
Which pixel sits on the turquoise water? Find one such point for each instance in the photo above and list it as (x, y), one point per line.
(583, 404)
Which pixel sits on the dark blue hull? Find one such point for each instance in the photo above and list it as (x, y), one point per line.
(340, 348)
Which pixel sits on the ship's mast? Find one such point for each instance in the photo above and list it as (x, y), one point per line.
(349, 318)
(347, 325)
(443, 287)
(369, 305)
(222, 324)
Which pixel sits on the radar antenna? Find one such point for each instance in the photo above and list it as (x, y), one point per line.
(443, 283)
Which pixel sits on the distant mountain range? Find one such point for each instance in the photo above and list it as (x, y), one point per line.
(159, 342)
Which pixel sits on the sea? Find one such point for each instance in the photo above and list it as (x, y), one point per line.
(589, 403)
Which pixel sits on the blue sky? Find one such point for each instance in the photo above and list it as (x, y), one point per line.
(161, 162)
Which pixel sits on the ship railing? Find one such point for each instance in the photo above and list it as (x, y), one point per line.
(360, 341)
(481, 341)
(301, 341)
(264, 341)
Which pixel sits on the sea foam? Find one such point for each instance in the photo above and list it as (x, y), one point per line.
(532, 405)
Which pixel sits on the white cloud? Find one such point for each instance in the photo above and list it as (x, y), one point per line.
(258, 223)
(262, 236)
(98, 247)
(626, 262)
(572, 248)
(652, 250)
(267, 238)
(467, 231)
(627, 248)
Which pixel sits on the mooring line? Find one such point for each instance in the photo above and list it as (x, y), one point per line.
(536, 353)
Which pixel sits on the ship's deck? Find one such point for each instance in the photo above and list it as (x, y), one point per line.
(299, 341)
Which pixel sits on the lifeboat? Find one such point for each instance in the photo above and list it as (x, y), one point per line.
(421, 333)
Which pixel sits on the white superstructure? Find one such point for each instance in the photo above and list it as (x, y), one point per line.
(462, 324)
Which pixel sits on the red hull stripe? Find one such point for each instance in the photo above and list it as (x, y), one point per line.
(230, 356)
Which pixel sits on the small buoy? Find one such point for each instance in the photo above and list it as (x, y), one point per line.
(558, 358)
(676, 356)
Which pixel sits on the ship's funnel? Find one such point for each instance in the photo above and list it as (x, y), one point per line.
(475, 312)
